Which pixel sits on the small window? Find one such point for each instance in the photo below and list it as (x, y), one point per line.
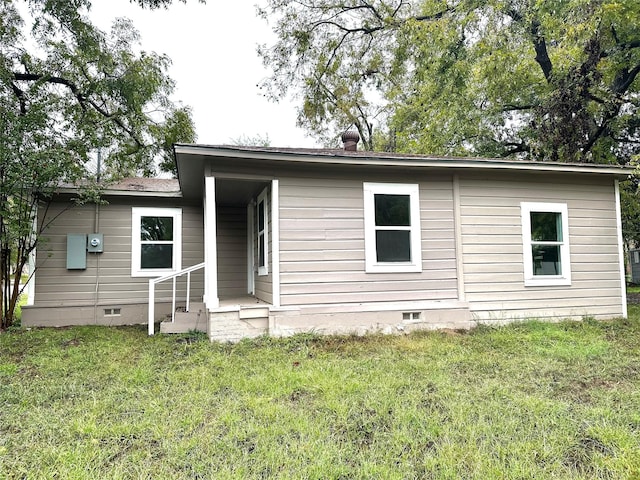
(156, 241)
(636, 256)
(111, 312)
(262, 234)
(545, 237)
(392, 228)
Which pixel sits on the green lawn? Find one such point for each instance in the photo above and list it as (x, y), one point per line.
(527, 401)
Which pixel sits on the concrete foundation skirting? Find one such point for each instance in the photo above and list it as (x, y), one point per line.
(107, 314)
(361, 323)
(230, 326)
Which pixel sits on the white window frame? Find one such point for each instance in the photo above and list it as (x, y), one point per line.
(136, 215)
(531, 280)
(262, 270)
(371, 262)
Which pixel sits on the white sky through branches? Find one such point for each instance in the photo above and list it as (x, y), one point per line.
(215, 66)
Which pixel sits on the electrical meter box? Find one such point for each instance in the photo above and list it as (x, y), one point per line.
(95, 243)
(76, 251)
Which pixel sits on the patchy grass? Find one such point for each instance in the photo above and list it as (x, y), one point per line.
(633, 288)
(531, 400)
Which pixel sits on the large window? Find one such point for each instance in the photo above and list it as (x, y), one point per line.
(392, 227)
(155, 241)
(545, 240)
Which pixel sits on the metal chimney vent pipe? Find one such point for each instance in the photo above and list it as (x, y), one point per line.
(350, 139)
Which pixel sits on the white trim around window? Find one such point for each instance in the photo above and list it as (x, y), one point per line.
(169, 244)
(402, 252)
(545, 244)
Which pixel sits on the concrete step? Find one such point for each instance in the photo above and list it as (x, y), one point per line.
(194, 319)
(193, 307)
(248, 313)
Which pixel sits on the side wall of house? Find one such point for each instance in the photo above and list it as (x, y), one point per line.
(493, 252)
(232, 251)
(107, 281)
(322, 246)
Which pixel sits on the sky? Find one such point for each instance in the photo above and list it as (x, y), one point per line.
(215, 66)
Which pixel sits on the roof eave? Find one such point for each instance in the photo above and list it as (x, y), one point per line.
(399, 161)
(123, 193)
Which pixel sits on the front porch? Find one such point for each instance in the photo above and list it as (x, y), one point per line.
(235, 318)
(240, 263)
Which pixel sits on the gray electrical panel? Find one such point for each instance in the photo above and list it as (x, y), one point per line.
(76, 251)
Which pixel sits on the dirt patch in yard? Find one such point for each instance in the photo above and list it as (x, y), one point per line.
(633, 297)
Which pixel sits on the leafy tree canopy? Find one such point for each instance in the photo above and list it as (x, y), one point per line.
(551, 80)
(67, 90)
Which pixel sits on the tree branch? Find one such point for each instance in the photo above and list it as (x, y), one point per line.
(602, 129)
(626, 140)
(83, 100)
(620, 47)
(32, 77)
(624, 79)
(382, 25)
(510, 108)
(540, 46)
(517, 147)
(20, 96)
(435, 16)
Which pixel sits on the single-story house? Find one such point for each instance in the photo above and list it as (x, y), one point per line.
(255, 240)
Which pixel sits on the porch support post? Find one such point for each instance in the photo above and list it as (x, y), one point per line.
(275, 241)
(210, 245)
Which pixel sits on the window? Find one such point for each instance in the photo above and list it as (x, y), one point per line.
(392, 228)
(262, 234)
(545, 240)
(156, 241)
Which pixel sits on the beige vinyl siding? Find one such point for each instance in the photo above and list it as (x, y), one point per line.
(493, 256)
(322, 256)
(264, 283)
(107, 278)
(232, 251)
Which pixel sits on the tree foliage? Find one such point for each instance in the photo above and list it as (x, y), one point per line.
(550, 80)
(630, 211)
(68, 89)
(256, 140)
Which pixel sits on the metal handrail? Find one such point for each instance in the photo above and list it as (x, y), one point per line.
(172, 276)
